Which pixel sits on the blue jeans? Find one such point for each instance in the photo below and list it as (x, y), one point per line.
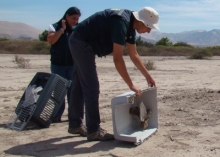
(67, 73)
(85, 87)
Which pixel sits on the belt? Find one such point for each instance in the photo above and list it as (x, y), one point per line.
(78, 36)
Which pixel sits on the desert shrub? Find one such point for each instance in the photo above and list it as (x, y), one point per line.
(201, 54)
(164, 41)
(40, 47)
(22, 62)
(149, 65)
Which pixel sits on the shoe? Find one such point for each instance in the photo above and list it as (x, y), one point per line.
(56, 120)
(100, 135)
(80, 130)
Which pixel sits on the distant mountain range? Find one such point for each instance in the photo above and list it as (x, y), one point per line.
(17, 30)
(195, 37)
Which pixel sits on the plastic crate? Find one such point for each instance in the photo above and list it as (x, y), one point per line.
(20, 118)
(126, 126)
(50, 99)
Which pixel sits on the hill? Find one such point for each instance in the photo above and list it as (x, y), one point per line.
(195, 37)
(18, 30)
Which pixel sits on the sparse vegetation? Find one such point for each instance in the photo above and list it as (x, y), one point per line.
(22, 62)
(24, 47)
(215, 50)
(143, 48)
(3, 39)
(39, 47)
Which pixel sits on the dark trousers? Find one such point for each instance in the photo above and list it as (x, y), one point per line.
(67, 73)
(85, 87)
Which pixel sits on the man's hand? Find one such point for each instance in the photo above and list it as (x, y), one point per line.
(151, 81)
(137, 90)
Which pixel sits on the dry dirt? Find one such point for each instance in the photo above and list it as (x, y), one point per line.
(188, 93)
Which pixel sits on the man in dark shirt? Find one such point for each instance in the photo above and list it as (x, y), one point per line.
(100, 34)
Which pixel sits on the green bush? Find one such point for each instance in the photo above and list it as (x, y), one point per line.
(43, 36)
(201, 54)
(165, 42)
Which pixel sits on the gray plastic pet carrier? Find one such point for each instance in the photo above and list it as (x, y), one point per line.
(129, 126)
(40, 101)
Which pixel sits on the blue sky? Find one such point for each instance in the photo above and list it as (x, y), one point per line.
(175, 16)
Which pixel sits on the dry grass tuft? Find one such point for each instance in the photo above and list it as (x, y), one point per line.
(22, 62)
(149, 65)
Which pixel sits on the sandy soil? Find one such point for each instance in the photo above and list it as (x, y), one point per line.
(188, 93)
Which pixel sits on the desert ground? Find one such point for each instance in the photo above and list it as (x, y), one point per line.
(188, 100)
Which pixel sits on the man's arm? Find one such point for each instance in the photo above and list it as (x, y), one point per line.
(121, 67)
(139, 64)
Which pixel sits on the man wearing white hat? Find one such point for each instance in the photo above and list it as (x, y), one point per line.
(148, 16)
(103, 33)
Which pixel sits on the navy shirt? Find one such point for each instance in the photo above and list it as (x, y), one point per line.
(119, 31)
(104, 28)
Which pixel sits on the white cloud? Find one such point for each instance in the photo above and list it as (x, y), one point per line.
(188, 14)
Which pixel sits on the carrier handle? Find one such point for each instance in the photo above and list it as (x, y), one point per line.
(143, 90)
(45, 78)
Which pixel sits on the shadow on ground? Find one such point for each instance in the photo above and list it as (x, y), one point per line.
(50, 147)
